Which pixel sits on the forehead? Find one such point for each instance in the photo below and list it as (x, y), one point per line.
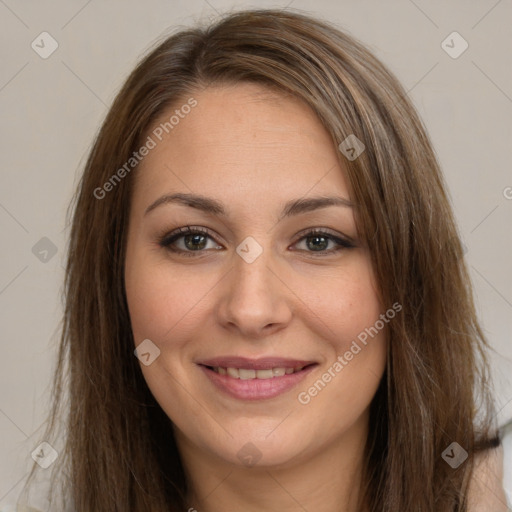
(245, 139)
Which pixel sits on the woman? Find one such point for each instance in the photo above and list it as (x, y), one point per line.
(263, 223)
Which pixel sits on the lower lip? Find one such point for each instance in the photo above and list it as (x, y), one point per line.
(256, 389)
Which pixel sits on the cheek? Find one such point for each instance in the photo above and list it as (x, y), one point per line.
(346, 312)
(170, 306)
(341, 305)
(160, 301)
(147, 302)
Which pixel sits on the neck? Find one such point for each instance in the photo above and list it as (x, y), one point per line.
(327, 481)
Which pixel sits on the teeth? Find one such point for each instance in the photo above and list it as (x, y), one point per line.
(248, 374)
(264, 374)
(233, 372)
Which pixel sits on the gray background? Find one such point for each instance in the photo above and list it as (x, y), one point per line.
(51, 109)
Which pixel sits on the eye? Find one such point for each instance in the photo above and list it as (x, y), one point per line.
(189, 240)
(194, 240)
(317, 241)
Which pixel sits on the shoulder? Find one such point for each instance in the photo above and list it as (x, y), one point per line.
(486, 491)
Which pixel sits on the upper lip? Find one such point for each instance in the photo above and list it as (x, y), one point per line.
(263, 363)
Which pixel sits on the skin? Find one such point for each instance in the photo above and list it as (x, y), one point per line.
(253, 151)
(486, 490)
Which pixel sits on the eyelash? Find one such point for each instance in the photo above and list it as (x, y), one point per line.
(167, 240)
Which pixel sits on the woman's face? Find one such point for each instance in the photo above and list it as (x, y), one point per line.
(252, 292)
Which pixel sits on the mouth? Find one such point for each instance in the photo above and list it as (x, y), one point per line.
(249, 374)
(255, 379)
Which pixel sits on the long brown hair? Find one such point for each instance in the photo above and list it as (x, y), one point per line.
(119, 453)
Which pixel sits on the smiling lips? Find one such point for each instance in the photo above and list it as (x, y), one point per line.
(246, 374)
(255, 379)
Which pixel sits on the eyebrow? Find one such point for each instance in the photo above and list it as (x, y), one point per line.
(212, 206)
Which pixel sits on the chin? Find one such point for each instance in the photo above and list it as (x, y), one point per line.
(258, 448)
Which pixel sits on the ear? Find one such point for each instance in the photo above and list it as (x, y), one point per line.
(486, 492)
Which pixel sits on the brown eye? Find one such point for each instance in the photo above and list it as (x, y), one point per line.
(193, 240)
(317, 241)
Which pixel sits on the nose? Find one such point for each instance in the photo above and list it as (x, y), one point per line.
(255, 302)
